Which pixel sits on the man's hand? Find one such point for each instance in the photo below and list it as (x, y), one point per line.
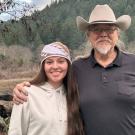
(19, 93)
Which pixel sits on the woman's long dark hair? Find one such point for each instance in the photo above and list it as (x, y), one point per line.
(75, 124)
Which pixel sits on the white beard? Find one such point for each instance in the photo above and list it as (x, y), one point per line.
(103, 51)
(103, 46)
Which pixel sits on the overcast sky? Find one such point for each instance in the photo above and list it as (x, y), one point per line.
(38, 4)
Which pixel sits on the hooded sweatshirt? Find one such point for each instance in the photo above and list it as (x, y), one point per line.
(45, 112)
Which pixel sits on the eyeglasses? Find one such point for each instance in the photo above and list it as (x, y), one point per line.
(100, 30)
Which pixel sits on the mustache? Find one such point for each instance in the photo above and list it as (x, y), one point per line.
(104, 39)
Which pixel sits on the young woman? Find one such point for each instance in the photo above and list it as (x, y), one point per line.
(52, 107)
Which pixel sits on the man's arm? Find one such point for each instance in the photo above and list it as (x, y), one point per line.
(19, 93)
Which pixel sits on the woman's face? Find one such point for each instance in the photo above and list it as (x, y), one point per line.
(56, 69)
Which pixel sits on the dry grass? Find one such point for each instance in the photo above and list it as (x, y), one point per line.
(11, 78)
(8, 85)
(13, 73)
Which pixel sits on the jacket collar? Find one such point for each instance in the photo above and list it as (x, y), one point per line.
(117, 61)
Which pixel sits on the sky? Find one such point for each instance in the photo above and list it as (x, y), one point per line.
(38, 4)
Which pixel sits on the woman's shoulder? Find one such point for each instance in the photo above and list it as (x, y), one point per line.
(31, 88)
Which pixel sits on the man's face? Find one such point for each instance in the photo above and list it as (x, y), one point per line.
(103, 37)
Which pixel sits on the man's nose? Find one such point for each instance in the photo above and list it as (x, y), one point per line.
(103, 34)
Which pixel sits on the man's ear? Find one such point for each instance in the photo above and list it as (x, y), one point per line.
(119, 33)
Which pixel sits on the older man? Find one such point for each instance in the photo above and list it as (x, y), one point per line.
(106, 78)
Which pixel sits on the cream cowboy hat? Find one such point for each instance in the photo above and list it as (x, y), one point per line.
(103, 14)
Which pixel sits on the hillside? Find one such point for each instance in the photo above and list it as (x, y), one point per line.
(21, 41)
(57, 22)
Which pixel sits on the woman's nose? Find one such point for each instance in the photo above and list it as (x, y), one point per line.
(55, 65)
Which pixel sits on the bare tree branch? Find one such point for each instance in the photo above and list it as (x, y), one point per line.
(15, 9)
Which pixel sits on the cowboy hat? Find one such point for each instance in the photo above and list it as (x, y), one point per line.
(103, 14)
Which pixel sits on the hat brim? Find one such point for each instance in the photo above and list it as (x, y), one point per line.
(123, 22)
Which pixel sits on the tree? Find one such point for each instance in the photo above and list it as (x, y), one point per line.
(5, 5)
(15, 9)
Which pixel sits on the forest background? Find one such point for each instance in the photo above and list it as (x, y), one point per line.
(22, 40)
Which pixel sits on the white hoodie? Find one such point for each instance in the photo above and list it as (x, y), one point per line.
(45, 112)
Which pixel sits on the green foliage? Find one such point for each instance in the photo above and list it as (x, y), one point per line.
(131, 31)
(2, 57)
(124, 38)
(58, 22)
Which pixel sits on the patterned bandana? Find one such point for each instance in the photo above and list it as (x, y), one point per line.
(55, 49)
